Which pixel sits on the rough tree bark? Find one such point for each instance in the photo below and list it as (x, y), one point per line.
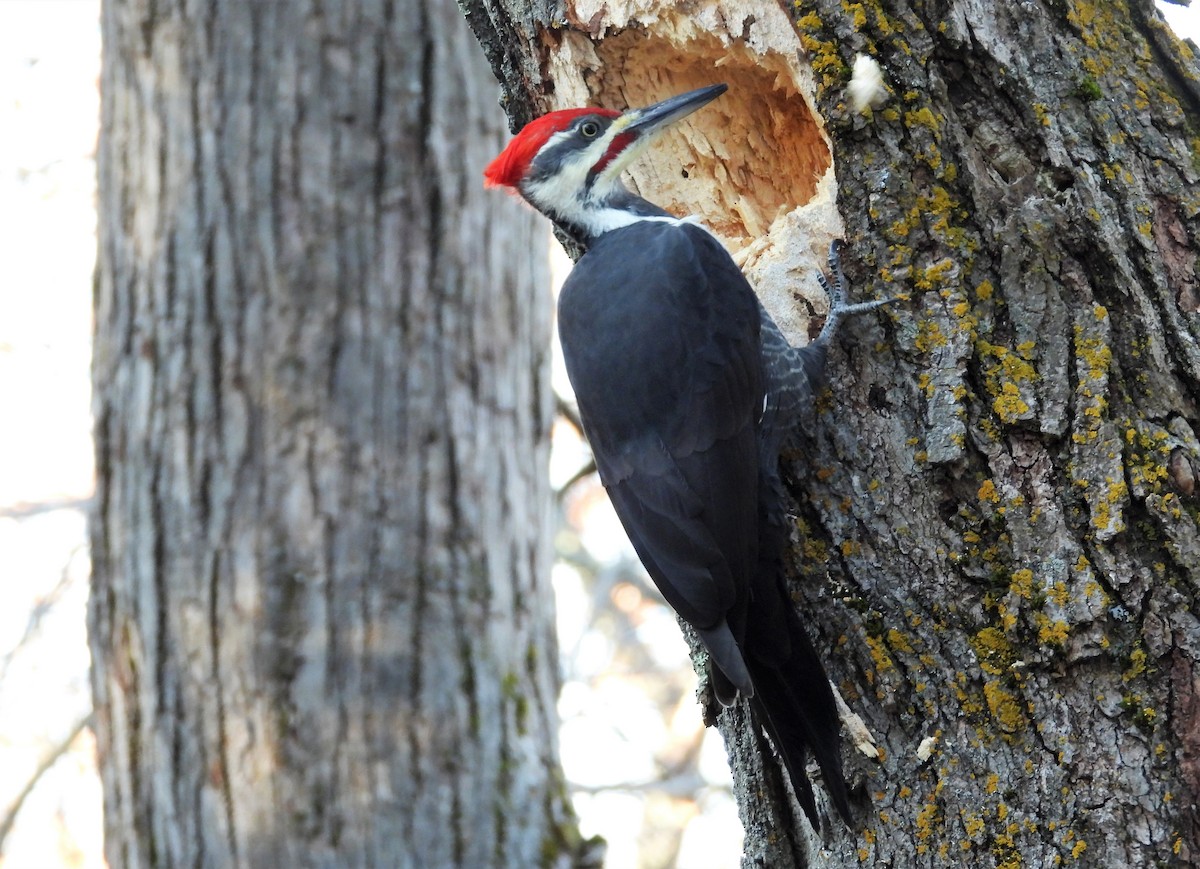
(321, 619)
(997, 514)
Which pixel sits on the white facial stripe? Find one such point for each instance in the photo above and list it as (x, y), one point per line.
(600, 221)
(610, 173)
(559, 194)
(553, 141)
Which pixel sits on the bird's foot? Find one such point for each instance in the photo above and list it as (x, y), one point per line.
(838, 292)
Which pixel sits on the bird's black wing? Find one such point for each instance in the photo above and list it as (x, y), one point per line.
(669, 403)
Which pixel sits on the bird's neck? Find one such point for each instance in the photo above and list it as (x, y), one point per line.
(587, 221)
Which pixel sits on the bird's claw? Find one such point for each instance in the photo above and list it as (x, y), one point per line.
(839, 294)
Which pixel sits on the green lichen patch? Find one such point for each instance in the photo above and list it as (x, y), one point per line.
(1088, 90)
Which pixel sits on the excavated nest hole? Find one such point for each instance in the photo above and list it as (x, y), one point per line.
(739, 162)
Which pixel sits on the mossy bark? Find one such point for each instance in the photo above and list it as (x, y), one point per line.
(997, 515)
(321, 621)
(1013, 456)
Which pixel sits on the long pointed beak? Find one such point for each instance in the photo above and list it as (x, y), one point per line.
(653, 118)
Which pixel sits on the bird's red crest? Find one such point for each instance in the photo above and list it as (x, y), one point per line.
(511, 164)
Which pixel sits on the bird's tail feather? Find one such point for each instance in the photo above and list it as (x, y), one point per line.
(728, 674)
(795, 701)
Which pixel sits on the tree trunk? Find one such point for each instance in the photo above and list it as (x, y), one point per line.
(321, 619)
(997, 514)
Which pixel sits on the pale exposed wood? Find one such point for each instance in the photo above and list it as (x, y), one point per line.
(755, 164)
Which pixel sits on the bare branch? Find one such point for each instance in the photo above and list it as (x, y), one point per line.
(6, 824)
(583, 473)
(568, 411)
(39, 611)
(26, 509)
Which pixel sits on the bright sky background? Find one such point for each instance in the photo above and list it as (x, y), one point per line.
(1185, 20)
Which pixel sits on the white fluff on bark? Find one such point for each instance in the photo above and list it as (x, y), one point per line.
(867, 90)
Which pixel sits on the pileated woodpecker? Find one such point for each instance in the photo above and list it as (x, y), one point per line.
(687, 390)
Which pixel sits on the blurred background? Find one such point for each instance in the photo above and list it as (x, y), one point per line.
(645, 773)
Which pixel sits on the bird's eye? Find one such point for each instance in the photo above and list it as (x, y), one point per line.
(589, 129)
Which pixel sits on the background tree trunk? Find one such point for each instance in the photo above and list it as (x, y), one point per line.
(321, 619)
(997, 532)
